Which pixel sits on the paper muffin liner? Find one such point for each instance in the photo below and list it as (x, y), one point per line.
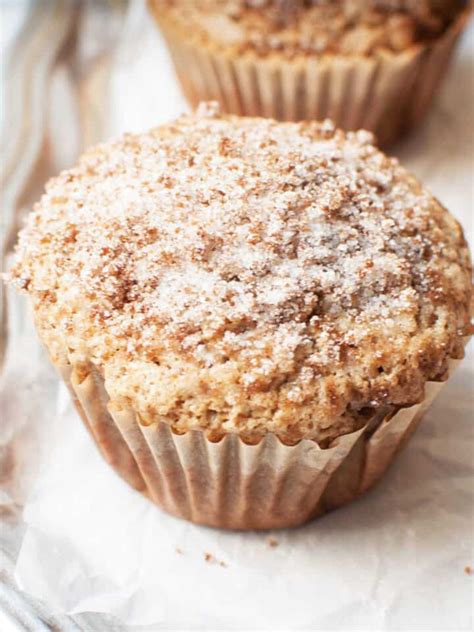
(232, 484)
(386, 93)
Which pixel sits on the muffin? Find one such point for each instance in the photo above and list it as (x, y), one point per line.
(372, 64)
(251, 315)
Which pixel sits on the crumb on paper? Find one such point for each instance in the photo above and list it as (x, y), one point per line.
(211, 559)
(468, 570)
(179, 551)
(272, 542)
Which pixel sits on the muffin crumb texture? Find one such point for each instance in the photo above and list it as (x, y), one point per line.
(295, 27)
(242, 275)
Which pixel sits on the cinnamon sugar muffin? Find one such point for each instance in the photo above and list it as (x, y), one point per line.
(372, 64)
(248, 312)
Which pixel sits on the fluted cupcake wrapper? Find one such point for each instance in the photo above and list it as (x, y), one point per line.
(386, 93)
(230, 483)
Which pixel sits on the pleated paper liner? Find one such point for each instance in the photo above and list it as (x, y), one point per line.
(230, 483)
(386, 93)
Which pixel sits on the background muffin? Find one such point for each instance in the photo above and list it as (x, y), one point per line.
(373, 65)
(249, 314)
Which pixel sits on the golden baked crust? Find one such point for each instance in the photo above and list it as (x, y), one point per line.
(310, 27)
(244, 275)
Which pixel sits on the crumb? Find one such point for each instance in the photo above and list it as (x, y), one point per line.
(468, 570)
(213, 560)
(179, 551)
(272, 542)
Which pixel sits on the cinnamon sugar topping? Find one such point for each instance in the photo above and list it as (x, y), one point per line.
(246, 275)
(294, 27)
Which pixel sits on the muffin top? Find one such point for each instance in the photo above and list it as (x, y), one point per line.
(245, 275)
(294, 27)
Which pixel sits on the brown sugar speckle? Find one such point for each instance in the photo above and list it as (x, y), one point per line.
(272, 542)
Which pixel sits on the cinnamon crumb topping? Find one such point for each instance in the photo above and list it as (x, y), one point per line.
(293, 27)
(246, 275)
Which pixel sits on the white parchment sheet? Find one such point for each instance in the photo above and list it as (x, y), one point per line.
(398, 559)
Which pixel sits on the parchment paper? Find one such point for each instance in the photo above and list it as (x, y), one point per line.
(398, 559)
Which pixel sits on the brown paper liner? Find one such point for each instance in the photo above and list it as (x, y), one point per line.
(386, 93)
(230, 483)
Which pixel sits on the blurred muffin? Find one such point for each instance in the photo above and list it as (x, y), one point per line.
(251, 315)
(372, 64)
